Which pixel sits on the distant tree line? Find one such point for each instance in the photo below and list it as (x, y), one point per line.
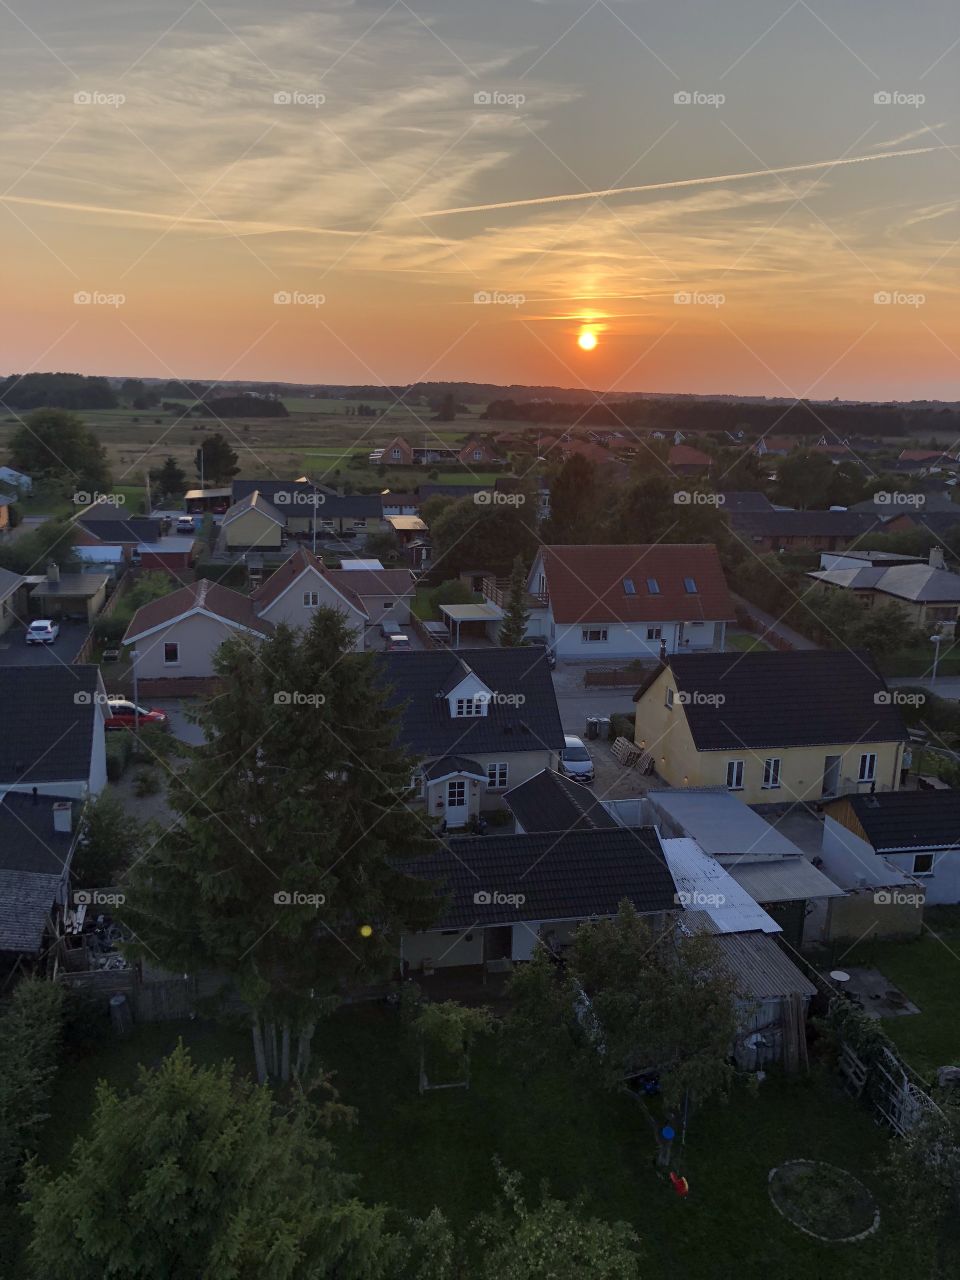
(56, 390)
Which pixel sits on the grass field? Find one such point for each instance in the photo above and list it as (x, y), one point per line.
(416, 1152)
(743, 642)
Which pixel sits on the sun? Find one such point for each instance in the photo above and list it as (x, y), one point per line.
(587, 340)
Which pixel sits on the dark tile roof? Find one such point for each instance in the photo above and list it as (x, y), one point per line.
(802, 524)
(804, 698)
(569, 875)
(47, 734)
(427, 728)
(452, 764)
(26, 901)
(910, 819)
(745, 500)
(28, 841)
(330, 505)
(113, 531)
(550, 802)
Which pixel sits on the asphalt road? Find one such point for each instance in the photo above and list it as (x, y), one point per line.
(15, 652)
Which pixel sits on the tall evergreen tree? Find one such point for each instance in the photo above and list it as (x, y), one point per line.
(216, 462)
(516, 615)
(169, 481)
(285, 870)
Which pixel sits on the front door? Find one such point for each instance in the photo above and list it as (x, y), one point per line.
(831, 776)
(457, 807)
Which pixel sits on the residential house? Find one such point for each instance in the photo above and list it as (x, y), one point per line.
(926, 460)
(384, 594)
(69, 595)
(12, 599)
(745, 500)
(252, 524)
(397, 453)
(612, 602)
(928, 593)
(303, 584)
(478, 451)
(53, 741)
(774, 727)
(918, 832)
(38, 836)
(479, 721)
(787, 530)
(175, 638)
(778, 446)
(96, 527)
(684, 460)
(503, 894)
(304, 504)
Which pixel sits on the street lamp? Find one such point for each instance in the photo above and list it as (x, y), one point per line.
(136, 699)
(935, 641)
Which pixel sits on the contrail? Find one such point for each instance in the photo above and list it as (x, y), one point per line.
(682, 182)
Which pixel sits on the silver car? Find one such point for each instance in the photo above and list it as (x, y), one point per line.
(575, 760)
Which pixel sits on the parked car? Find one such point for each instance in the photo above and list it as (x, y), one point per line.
(185, 524)
(543, 643)
(398, 643)
(43, 631)
(123, 714)
(389, 627)
(575, 760)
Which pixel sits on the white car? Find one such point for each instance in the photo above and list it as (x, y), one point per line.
(575, 760)
(43, 631)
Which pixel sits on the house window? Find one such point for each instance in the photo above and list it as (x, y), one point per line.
(771, 773)
(171, 655)
(690, 586)
(629, 589)
(394, 453)
(923, 864)
(668, 700)
(311, 599)
(497, 776)
(326, 524)
(456, 793)
(470, 707)
(734, 775)
(868, 766)
(477, 455)
(654, 633)
(360, 524)
(653, 586)
(594, 635)
(387, 604)
(417, 783)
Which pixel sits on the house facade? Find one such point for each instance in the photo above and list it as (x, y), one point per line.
(479, 721)
(775, 728)
(299, 587)
(927, 592)
(252, 524)
(601, 603)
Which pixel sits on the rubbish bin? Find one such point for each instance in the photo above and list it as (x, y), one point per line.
(603, 727)
(593, 727)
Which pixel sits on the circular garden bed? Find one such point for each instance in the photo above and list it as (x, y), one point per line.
(824, 1201)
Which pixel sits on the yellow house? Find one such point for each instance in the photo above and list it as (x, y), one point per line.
(776, 728)
(253, 524)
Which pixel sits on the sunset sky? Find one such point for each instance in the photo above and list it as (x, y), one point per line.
(384, 163)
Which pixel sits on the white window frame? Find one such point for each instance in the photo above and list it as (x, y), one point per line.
(868, 767)
(478, 455)
(461, 789)
(394, 453)
(328, 524)
(772, 768)
(593, 635)
(418, 784)
(497, 775)
(311, 599)
(735, 769)
(930, 870)
(171, 662)
(360, 524)
(469, 708)
(654, 633)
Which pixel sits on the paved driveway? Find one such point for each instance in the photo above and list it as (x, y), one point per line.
(15, 652)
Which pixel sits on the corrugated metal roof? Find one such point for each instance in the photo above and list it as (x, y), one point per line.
(704, 886)
(782, 879)
(720, 822)
(762, 969)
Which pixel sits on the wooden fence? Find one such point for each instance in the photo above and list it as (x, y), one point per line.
(154, 999)
(124, 584)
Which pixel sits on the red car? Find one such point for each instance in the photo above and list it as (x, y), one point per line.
(123, 714)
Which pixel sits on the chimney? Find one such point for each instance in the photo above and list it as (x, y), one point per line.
(936, 560)
(62, 816)
(53, 571)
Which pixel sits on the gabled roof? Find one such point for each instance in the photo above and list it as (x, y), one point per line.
(9, 582)
(921, 583)
(925, 455)
(586, 583)
(26, 901)
(426, 727)
(254, 501)
(909, 820)
(117, 530)
(567, 875)
(451, 766)
(793, 524)
(204, 597)
(373, 582)
(48, 733)
(550, 802)
(739, 702)
(745, 500)
(270, 488)
(300, 562)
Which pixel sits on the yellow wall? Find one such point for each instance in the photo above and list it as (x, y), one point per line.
(253, 529)
(664, 732)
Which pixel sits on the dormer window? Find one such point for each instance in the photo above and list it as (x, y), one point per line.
(653, 586)
(690, 586)
(464, 707)
(629, 589)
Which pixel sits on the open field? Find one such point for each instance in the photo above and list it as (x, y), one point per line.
(415, 1151)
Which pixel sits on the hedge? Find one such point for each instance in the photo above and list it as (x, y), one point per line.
(119, 751)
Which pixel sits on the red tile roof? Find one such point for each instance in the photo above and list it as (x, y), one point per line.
(290, 570)
(922, 455)
(229, 605)
(371, 582)
(682, 455)
(587, 583)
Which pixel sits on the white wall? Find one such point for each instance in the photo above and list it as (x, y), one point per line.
(943, 886)
(629, 640)
(289, 607)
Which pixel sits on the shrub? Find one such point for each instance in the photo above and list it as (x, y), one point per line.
(30, 1032)
(453, 591)
(119, 751)
(623, 725)
(146, 783)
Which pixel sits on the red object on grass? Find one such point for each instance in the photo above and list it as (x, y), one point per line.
(680, 1185)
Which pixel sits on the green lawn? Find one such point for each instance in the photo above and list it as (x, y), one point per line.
(744, 642)
(417, 1152)
(422, 606)
(927, 970)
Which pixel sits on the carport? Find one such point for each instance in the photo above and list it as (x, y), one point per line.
(70, 595)
(481, 621)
